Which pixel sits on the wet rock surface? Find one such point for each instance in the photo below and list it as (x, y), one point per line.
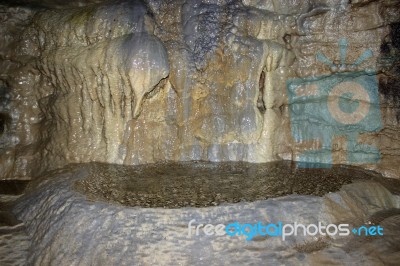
(135, 82)
(67, 227)
(14, 240)
(145, 81)
(202, 184)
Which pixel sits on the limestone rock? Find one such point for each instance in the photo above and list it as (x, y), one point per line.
(67, 228)
(133, 82)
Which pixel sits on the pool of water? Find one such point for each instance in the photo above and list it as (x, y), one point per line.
(202, 184)
(139, 215)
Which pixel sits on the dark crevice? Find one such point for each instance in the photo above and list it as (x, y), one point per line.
(261, 89)
(5, 120)
(395, 34)
(389, 80)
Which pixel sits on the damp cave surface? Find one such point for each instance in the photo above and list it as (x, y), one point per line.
(202, 184)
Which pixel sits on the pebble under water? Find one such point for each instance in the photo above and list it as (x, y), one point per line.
(202, 184)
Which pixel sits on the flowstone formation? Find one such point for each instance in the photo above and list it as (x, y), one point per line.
(104, 62)
(132, 82)
(130, 119)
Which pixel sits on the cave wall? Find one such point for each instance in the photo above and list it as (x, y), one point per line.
(134, 82)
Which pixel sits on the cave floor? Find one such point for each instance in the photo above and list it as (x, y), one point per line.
(102, 214)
